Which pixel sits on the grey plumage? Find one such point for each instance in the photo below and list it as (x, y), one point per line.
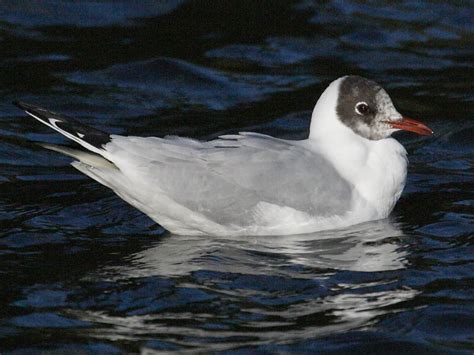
(208, 176)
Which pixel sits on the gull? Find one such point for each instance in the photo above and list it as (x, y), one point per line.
(349, 170)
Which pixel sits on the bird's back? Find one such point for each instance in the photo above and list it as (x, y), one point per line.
(240, 182)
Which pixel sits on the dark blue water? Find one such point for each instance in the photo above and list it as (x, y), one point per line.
(81, 271)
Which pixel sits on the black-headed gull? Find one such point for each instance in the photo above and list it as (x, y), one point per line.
(348, 171)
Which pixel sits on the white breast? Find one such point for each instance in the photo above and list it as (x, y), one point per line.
(385, 175)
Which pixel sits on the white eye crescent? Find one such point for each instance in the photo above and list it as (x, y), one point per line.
(361, 108)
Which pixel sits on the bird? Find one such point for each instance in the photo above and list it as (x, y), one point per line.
(348, 171)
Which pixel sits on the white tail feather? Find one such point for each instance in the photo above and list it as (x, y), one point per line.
(90, 159)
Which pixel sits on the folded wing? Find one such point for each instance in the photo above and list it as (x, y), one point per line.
(229, 180)
(245, 183)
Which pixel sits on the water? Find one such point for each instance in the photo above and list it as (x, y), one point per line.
(81, 271)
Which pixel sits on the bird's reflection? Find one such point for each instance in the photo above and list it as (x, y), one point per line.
(373, 246)
(339, 297)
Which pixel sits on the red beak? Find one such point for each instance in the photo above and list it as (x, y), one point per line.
(408, 124)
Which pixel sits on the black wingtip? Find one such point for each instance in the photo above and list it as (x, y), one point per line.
(20, 104)
(78, 132)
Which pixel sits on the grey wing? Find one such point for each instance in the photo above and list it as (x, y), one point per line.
(227, 178)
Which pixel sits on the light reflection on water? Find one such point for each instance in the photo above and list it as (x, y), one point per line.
(374, 246)
(195, 261)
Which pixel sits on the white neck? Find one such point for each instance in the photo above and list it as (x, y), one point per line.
(376, 168)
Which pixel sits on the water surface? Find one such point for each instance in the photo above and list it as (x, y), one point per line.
(81, 271)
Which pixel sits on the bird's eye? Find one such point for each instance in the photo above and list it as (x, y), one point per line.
(362, 108)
